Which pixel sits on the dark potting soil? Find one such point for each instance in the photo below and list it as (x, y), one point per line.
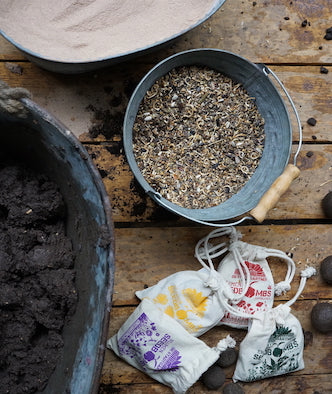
(37, 289)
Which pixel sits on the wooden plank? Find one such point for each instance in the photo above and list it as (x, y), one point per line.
(317, 357)
(130, 203)
(281, 385)
(267, 31)
(146, 255)
(262, 31)
(303, 199)
(8, 51)
(311, 92)
(80, 100)
(97, 101)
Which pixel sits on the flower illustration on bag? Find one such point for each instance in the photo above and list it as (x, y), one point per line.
(161, 299)
(280, 356)
(198, 302)
(183, 308)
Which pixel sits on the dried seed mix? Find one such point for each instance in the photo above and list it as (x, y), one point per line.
(198, 137)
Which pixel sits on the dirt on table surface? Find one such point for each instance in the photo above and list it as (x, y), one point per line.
(37, 279)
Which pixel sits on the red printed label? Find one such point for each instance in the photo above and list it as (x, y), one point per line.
(257, 298)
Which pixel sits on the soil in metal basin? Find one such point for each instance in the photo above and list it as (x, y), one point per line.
(37, 289)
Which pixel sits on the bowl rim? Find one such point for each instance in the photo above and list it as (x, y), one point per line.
(210, 214)
(117, 58)
(107, 231)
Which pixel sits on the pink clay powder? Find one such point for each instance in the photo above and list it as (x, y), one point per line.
(83, 30)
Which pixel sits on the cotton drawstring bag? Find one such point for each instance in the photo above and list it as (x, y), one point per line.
(193, 298)
(274, 343)
(158, 345)
(246, 270)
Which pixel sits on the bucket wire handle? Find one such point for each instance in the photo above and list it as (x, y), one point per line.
(278, 187)
(268, 71)
(291, 172)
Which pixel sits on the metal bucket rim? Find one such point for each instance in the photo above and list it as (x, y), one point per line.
(210, 213)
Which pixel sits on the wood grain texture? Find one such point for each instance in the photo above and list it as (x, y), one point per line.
(129, 202)
(306, 384)
(267, 31)
(8, 51)
(96, 101)
(146, 255)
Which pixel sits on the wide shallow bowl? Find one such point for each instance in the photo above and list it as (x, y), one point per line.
(42, 142)
(277, 128)
(75, 67)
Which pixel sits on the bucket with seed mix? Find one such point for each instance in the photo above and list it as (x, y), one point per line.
(208, 136)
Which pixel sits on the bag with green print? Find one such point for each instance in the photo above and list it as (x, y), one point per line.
(274, 343)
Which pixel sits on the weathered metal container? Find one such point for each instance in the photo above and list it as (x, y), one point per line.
(42, 142)
(94, 64)
(278, 130)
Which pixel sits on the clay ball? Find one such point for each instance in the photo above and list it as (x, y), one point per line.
(321, 317)
(227, 358)
(326, 269)
(214, 377)
(327, 205)
(233, 388)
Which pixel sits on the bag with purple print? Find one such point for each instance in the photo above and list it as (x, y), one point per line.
(158, 345)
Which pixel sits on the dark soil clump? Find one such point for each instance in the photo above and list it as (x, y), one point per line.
(214, 377)
(326, 269)
(327, 205)
(312, 121)
(37, 290)
(227, 358)
(105, 123)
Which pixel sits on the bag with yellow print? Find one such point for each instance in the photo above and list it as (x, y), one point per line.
(196, 299)
(190, 297)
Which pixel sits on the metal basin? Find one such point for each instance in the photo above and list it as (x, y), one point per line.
(94, 64)
(46, 144)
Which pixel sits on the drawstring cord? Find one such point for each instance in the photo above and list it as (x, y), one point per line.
(285, 285)
(225, 343)
(206, 251)
(305, 274)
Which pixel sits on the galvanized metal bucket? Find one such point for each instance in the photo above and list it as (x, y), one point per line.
(42, 142)
(278, 131)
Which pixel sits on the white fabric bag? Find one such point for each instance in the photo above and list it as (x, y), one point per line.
(156, 344)
(247, 271)
(194, 299)
(274, 343)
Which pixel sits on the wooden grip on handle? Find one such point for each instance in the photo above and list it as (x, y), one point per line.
(277, 189)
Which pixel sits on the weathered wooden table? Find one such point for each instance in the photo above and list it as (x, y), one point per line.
(152, 243)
